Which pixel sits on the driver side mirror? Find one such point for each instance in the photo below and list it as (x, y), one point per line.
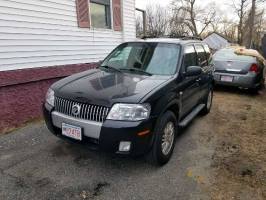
(193, 71)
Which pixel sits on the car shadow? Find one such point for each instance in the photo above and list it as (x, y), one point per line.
(239, 91)
(83, 157)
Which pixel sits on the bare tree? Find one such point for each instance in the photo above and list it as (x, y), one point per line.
(241, 11)
(228, 28)
(259, 28)
(195, 18)
(156, 20)
(177, 27)
(251, 24)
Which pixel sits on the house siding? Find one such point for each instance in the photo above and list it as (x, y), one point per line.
(38, 33)
(129, 22)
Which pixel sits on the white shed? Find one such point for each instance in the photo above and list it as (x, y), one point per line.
(216, 41)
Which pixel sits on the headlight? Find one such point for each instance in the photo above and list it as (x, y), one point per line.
(50, 97)
(129, 112)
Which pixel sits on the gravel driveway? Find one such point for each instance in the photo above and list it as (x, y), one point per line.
(36, 165)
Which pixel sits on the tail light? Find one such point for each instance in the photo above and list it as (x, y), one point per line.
(254, 68)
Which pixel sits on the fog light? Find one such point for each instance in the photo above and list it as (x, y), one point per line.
(124, 146)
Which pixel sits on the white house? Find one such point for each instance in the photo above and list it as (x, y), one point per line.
(43, 40)
(216, 41)
(37, 33)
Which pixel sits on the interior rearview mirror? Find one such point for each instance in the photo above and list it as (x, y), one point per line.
(193, 71)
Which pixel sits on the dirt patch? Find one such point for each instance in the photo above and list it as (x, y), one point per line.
(97, 191)
(26, 123)
(239, 161)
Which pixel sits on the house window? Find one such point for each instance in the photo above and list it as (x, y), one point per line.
(100, 13)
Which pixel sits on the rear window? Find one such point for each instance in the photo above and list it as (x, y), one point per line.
(228, 54)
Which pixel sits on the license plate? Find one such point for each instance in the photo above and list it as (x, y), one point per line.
(71, 131)
(227, 78)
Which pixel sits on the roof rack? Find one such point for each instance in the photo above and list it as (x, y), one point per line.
(190, 38)
(179, 37)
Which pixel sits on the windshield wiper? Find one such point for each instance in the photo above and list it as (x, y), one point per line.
(136, 70)
(110, 67)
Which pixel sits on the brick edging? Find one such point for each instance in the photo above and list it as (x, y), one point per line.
(22, 76)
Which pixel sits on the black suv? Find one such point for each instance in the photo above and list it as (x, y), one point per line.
(137, 100)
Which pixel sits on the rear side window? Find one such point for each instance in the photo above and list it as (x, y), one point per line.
(208, 52)
(190, 56)
(202, 58)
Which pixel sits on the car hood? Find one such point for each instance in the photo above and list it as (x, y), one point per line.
(106, 88)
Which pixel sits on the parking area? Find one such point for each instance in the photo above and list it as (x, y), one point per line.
(219, 156)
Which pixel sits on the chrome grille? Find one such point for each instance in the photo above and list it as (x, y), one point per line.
(87, 111)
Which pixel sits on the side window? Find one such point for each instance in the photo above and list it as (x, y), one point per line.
(202, 59)
(190, 57)
(208, 52)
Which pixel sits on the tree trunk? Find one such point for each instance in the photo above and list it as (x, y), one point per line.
(251, 23)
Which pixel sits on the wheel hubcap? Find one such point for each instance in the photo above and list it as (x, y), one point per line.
(209, 101)
(168, 137)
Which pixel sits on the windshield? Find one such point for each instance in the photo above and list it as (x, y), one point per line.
(228, 54)
(152, 58)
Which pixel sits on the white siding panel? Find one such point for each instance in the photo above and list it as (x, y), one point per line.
(129, 24)
(29, 48)
(39, 33)
(64, 5)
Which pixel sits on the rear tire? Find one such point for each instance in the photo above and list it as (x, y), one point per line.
(207, 102)
(258, 88)
(165, 135)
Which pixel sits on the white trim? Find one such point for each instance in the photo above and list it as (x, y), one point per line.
(112, 13)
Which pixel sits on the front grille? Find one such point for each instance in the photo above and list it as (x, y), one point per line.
(87, 111)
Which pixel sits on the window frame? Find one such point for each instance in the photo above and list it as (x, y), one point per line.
(108, 13)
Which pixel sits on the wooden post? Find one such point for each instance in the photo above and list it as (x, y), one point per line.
(144, 20)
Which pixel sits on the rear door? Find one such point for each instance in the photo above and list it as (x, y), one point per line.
(203, 54)
(190, 85)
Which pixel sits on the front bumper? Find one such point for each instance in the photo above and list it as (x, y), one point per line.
(104, 136)
(249, 80)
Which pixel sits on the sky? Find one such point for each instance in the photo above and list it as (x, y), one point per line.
(142, 3)
(223, 5)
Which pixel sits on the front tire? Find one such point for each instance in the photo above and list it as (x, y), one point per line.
(165, 135)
